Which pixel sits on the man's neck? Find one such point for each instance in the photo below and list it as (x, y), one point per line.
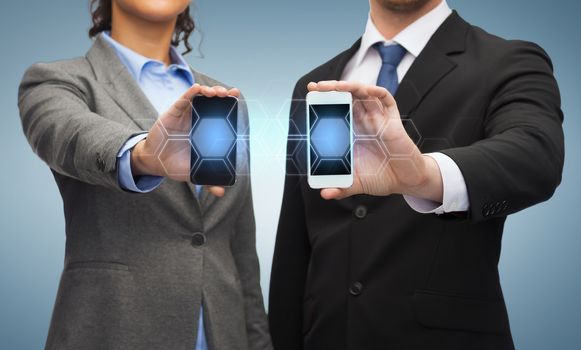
(149, 39)
(390, 23)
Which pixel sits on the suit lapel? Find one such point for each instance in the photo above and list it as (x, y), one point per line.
(120, 85)
(337, 65)
(420, 79)
(432, 64)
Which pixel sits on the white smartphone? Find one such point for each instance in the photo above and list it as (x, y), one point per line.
(330, 139)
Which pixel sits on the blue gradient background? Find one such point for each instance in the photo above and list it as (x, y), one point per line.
(263, 47)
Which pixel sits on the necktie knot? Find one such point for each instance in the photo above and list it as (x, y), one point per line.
(390, 54)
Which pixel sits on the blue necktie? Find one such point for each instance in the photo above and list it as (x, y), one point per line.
(391, 56)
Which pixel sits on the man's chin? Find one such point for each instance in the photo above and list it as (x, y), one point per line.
(403, 5)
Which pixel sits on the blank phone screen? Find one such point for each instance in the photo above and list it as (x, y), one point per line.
(330, 139)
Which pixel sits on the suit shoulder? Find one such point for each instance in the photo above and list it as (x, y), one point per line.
(503, 50)
(65, 72)
(62, 68)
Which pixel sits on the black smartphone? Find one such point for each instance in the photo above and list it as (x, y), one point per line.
(213, 139)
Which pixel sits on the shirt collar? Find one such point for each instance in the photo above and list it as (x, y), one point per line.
(135, 62)
(413, 38)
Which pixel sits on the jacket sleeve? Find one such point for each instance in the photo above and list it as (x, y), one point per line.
(62, 130)
(519, 161)
(292, 249)
(246, 258)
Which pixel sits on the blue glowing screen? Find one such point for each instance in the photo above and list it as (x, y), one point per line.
(330, 139)
(213, 138)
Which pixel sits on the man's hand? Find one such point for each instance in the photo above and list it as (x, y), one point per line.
(150, 157)
(407, 170)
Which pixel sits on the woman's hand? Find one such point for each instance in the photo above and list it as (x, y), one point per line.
(410, 172)
(166, 150)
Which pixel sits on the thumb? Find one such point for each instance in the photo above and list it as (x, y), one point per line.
(337, 193)
(340, 193)
(217, 191)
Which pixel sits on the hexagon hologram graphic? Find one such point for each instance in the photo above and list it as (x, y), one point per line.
(326, 137)
(213, 137)
(217, 138)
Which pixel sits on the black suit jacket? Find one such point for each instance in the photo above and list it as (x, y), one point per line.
(371, 273)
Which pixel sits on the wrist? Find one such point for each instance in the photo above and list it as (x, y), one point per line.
(431, 186)
(139, 164)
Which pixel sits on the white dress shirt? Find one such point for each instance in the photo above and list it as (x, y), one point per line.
(364, 67)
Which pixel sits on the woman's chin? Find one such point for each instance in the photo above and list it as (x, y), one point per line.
(154, 10)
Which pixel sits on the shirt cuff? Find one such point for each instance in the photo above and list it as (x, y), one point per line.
(455, 193)
(139, 184)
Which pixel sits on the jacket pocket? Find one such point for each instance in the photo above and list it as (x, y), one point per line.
(438, 310)
(100, 265)
(96, 308)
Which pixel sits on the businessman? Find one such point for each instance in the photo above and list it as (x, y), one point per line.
(407, 257)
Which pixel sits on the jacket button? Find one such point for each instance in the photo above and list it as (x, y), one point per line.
(486, 210)
(198, 239)
(356, 288)
(360, 212)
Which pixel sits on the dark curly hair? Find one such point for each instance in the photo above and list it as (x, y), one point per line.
(101, 16)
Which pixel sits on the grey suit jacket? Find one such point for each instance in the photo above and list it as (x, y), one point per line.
(135, 273)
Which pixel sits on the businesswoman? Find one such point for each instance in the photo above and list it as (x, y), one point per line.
(152, 262)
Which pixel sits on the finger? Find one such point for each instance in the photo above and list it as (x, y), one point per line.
(360, 95)
(361, 98)
(234, 92)
(326, 85)
(208, 91)
(178, 108)
(384, 97)
(368, 116)
(389, 112)
(312, 86)
(356, 89)
(220, 91)
(191, 92)
(366, 108)
(217, 191)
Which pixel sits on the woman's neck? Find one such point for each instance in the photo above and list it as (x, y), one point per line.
(147, 38)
